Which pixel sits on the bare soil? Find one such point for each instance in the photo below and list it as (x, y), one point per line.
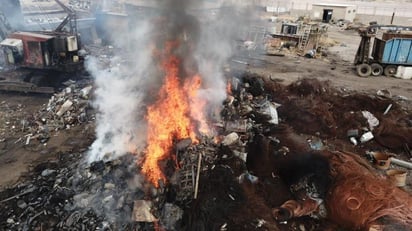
(336, 67)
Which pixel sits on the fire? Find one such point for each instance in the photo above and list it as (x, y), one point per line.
(177, 114)
(197, 105)
(229, 88)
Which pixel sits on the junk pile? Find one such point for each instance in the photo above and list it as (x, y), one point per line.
(285, 158)
(64, 110)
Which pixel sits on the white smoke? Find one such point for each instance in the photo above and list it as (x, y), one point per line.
(217, 45)
(119, 97)
(122, 88)
(214, 49)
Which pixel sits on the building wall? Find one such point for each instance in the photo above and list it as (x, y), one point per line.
(350, 13)
(339, 12)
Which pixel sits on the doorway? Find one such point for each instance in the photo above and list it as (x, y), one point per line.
(327, 15)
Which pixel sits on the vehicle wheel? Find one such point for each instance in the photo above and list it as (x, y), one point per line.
(364, 70)
(377, 69)
(390, 70)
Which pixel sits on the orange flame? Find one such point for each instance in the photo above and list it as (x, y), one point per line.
(197, 104)
(229, 88)
(172, 116)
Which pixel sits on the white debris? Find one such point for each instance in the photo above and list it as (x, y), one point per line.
(387, 109)
(241, 155)
(366, 137)
(64, 108)
(247, 176)
(68, 90)
(230, 139)
(353, 140)
(372, 120)
(269, 109)
(260, 223)
(141, 211)
(223, 227)
(84, 93)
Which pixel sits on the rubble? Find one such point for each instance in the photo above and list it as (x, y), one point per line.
(63, 111)
(141, 211)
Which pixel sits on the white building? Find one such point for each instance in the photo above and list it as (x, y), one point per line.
(327, 12)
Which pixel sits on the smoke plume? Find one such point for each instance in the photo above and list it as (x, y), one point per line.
(121, 89)
(129, 84)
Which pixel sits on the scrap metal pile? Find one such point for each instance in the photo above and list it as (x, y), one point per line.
(285, 157)
(65, 109)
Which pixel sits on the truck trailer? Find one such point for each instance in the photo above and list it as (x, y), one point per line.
(377, 56)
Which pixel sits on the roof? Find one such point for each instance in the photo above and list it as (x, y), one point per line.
(11, 42)
(333, 5)
(32, 35)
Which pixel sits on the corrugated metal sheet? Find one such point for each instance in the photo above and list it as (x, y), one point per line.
(28, 36)
(398, 51)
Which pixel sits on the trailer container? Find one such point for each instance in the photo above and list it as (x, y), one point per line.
(397, 51)
(377, 56)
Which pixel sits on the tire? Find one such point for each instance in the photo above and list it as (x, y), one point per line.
(377, 69)
(364, 70)
(390, 70)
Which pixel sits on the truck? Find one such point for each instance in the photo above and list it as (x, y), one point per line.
(35, 61)
(376, 56)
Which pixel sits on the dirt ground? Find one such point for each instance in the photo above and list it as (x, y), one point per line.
(337, 67)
